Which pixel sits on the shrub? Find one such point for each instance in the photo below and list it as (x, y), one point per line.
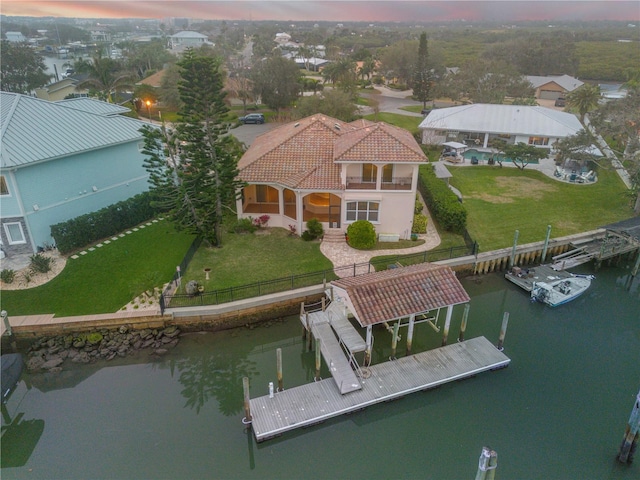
(7, 275)
(293, 230)
(361, 235)
(40, 263)
(307, 237)
(419, 223)
(417, 208)
(442, 202)
(261, 221)
(92, 227)
(315, 229)
(245, 225)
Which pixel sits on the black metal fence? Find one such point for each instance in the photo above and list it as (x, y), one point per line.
(231, 294)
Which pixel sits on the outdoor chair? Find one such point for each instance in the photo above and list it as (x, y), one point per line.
(474, 161)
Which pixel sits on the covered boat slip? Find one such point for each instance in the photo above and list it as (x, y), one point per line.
(385, 297)
(315, 402)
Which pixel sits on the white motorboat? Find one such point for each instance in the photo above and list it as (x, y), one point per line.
(561, 291)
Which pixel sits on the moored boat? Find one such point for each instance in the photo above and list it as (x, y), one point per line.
(561, 291)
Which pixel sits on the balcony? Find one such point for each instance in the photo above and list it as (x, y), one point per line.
(396, 183)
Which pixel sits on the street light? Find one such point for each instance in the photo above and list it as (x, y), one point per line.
(148, 102)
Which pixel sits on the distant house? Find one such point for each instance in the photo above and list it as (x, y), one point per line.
(60, 90)
(186, 39)
(477, 124)
(60, 160)
(282, 38)
(337, 172)
(15, 37)
(552, 88)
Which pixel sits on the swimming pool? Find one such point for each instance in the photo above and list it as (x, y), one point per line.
(485, 156)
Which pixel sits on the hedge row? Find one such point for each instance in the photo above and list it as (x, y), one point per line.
(442, 202)
(106, 222)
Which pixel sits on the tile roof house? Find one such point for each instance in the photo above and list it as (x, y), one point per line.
(476, 124)
(59, 160)
(337, 172)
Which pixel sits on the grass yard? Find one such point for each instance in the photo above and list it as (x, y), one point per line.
(247, 258)
(105, 280)
(502, 200)
(407, 122)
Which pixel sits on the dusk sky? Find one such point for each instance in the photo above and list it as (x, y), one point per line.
(332, 10)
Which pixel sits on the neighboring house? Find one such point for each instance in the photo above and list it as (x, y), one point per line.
(16, 37)
(282, 38)
(100, 34)
(61, 160)
(186, 39)
(337, 172)
(476, 124)
(60, 90)
(154, 80)
(552, 88)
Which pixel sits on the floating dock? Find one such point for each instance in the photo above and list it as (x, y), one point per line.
(316, 402)
(525, 278)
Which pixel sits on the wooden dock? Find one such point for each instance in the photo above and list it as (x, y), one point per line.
(316, 402)
(542, 273)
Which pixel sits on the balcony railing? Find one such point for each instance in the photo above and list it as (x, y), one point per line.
(396, 183)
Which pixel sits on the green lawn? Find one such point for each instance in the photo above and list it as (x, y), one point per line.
(501, 200)
(247, 258)
(407, 122)
(106, 279)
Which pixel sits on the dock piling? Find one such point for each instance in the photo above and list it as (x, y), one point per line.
(487, 464)
(247, 405)
(503, 330)
(447, 324)
(631, 434)
(308, 330)
(513, 250)
(463, 324)
(279, 367)
(412, 319)
(318, 360)
(394, 340)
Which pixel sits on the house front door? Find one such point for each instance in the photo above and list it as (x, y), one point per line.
(334, 216)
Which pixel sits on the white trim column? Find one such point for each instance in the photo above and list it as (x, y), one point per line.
(485, 144)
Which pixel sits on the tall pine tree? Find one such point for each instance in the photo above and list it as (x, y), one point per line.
(422, 73)
(193, 169)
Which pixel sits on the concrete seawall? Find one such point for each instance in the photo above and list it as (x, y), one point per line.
(253, 310)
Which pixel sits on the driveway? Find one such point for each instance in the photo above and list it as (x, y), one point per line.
(247, 133)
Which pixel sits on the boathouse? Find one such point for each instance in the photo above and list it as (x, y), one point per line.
(415, 293)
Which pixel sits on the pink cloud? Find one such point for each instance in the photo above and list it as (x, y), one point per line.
(332, 10)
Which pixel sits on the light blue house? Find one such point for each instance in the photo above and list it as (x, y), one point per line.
(59, 160)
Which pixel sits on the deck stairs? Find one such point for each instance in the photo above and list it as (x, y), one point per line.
(339, 341)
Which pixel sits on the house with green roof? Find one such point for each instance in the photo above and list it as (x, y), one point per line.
(60, 160)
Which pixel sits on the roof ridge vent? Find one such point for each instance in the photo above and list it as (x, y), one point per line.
(336, 126)
(296, 125)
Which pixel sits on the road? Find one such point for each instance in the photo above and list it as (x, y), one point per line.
(389, 101)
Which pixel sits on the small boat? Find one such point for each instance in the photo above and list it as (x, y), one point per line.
(561, 291)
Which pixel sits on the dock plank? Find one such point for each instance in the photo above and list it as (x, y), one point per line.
(335, 359)
(344, 329)
(315, 402)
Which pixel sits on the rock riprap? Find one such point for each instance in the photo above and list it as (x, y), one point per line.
(50, 353)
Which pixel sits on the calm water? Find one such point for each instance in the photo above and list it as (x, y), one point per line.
(558, 412)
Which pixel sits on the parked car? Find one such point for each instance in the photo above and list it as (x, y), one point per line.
(252, 118)
(560, 102)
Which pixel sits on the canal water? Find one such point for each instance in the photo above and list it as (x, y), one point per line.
(559, 411)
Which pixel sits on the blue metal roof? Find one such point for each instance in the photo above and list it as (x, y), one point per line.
(91, 105)
(34, 130)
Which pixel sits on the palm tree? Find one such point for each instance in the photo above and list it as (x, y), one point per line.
(105, 75)
(584, 99)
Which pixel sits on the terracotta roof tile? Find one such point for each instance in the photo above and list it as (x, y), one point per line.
(302, 154)
(391, 294)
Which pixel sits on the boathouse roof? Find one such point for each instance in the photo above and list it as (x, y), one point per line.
(396, 293)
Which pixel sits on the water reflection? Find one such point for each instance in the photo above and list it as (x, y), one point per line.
(217, 375)
(19, 439)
